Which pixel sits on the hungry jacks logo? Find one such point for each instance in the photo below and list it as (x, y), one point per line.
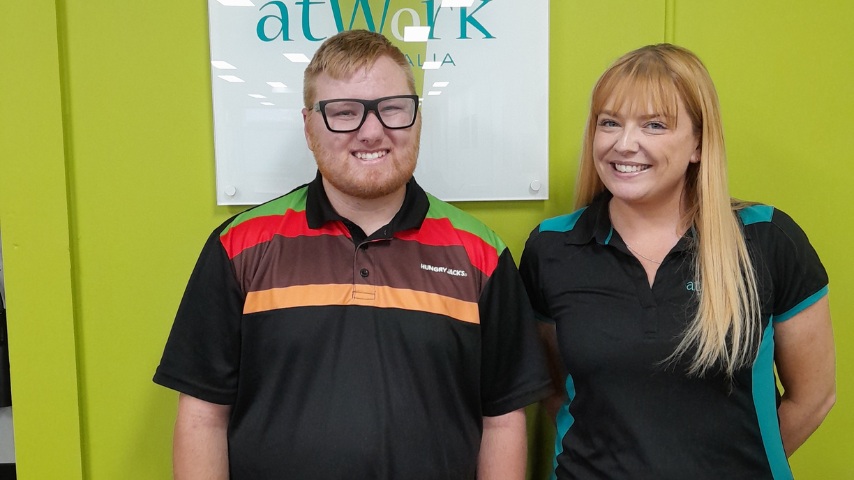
(449, 271)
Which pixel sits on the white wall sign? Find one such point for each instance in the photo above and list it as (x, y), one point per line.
(482, 72)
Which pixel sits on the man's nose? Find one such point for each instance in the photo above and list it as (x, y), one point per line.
(372, 127)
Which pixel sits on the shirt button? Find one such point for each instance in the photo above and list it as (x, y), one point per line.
(364, 272)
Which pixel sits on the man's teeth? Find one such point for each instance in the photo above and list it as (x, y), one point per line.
(370, 156)
(630, 168)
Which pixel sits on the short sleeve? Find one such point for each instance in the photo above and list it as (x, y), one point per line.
(202, 354)
(799, 277)
(514, 372)
(530, 273)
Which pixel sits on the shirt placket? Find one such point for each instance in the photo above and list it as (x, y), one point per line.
(365, 274)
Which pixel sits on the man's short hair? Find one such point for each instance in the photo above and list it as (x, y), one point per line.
(345, 53)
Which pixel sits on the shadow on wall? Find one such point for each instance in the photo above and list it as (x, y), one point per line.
(7, 452)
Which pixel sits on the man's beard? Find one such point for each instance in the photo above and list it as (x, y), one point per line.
(366, 181)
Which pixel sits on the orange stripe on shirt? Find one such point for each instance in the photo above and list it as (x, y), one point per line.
(367, 295)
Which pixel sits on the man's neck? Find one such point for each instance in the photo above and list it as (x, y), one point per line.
(369, 214)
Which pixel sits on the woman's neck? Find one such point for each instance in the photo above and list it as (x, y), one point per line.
(643, 220)
(648, 233)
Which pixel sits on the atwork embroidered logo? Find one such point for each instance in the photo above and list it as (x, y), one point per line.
(446, 270)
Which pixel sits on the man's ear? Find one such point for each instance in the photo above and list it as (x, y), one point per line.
(305, 113)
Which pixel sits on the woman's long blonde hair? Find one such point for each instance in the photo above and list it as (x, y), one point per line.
(726, 330)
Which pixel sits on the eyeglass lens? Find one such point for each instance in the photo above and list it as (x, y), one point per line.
(347, 115)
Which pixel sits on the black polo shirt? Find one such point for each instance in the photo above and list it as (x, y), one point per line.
(628, 414)
(346, 356)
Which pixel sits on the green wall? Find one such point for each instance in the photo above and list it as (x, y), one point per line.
(107, 191)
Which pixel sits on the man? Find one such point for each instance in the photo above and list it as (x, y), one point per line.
(356, 327)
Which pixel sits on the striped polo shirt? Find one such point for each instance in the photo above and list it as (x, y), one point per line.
(353, 356)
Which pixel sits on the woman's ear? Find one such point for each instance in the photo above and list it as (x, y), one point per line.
(695, 156)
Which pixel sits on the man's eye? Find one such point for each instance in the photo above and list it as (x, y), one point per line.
(343, 113)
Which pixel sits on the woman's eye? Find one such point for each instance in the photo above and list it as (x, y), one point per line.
(656, 126)
(607, 122)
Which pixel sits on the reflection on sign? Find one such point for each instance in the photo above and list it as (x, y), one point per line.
(481, 68)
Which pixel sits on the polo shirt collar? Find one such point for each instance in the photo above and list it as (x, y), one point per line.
(595, 224)
(603, 231)
(319, 210)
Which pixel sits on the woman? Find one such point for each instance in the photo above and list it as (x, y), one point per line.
(667, 305)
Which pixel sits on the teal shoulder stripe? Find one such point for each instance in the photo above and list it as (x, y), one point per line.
(563, 223)
(465, 222)
(801, 306)
(765, 403)
(294, 200)
(756, 214)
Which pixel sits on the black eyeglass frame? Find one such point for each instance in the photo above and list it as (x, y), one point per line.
(370, 106)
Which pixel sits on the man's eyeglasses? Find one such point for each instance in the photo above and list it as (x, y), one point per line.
(344, 115)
